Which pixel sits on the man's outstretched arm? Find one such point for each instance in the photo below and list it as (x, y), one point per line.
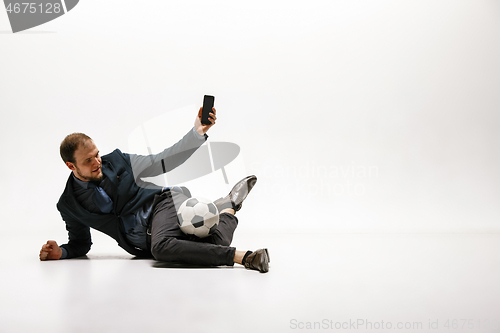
(174, 156)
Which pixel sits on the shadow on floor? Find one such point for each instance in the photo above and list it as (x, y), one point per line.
(163, 264)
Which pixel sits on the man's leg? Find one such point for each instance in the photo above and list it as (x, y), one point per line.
(169, 243)
(223, 235)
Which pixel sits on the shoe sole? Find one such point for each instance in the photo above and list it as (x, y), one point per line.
(249, 186)
(265, 262)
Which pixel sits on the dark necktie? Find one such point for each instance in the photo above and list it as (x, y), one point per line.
(101, 199)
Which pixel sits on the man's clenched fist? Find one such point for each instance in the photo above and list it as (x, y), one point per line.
(50, 251)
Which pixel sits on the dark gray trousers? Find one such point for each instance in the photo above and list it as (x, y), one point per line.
(169, 243)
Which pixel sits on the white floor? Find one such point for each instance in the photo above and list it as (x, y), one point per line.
(328, 282)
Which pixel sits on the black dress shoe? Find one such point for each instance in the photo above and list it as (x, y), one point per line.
(239, 192)
(258, 260)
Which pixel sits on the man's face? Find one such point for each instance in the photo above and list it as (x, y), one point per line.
(87, 166)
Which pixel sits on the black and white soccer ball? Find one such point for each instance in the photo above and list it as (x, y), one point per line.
(198, 216)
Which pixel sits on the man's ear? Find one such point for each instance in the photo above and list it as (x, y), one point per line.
(71, 166)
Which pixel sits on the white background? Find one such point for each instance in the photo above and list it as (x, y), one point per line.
(356, 116)
(372, 127)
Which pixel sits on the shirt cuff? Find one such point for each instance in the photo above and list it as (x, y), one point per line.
(64, 253)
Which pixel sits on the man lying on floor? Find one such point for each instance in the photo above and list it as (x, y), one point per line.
(106, 193)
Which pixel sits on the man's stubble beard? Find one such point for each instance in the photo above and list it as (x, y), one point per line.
(89, 179)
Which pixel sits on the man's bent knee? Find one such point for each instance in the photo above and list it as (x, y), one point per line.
(164, 249)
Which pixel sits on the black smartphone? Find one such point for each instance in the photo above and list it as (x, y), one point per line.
(208, 104)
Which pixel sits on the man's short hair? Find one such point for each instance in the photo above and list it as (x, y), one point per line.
(70, 144)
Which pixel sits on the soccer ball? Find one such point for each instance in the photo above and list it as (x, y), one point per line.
(198, 216)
